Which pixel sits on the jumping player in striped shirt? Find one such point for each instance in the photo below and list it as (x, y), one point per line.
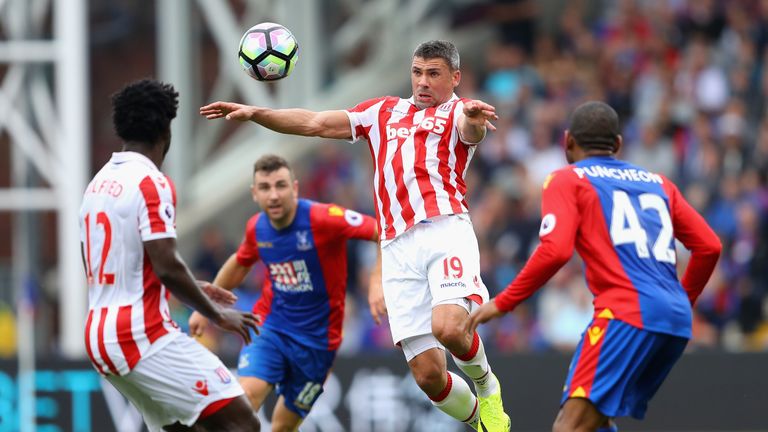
(623, 221)
(128, 243)
(421, 148)
(304, 247)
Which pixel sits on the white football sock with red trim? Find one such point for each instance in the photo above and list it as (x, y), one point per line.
(475, 364)
(457, 400)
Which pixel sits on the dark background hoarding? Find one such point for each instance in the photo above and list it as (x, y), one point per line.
(705, 392)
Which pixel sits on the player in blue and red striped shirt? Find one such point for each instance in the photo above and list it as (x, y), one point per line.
(623, 222)
(304, 247)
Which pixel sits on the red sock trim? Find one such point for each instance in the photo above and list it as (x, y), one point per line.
(473, 413)
(444, 394)
(472, 350)
(214, 407)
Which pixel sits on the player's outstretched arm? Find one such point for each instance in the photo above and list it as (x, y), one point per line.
(559, 225)
(175, 275)
(294, 121)
(229, 277)
(475, 121)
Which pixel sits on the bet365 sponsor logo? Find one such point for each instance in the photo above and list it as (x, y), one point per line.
(431, 124)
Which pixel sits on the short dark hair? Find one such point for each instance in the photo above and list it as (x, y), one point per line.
(595, 125)
(142, 111)
(439, 49)
(270, 163)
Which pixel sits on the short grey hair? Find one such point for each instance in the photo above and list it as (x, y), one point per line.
(439, 49)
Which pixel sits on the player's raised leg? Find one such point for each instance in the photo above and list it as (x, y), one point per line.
(448, 325)
(456, 287)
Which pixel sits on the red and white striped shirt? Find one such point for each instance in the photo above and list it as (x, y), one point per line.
(128, 202)
(419, 160)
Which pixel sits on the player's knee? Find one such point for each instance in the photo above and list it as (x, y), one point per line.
(254, 398)
(452, 335)
(560, 426)
(564, 421)
(577, 415)
(430, 378)
(569, 425)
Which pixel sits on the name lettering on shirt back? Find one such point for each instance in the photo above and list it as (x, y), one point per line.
(106, 187)
(628, 174)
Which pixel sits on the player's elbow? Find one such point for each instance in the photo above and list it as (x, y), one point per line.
(169, 272)
(552, 255)
(561, 261)
(329, 125)
(712, 248)
(314, 128)
(717, 247)
(167, 277)
(559, 256)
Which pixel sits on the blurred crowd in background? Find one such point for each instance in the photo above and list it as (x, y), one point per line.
(689, 80)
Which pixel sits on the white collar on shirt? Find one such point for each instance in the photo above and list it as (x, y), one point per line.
(128, 156)
(412, 101)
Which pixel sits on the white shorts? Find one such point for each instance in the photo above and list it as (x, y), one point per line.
(176, 383)
(434, 262)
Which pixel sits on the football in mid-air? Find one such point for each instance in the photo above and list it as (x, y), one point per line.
(268, 51)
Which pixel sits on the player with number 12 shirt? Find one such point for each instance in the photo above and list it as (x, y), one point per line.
(132, 265)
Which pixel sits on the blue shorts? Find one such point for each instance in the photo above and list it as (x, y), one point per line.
(619, 367)
(297, 371)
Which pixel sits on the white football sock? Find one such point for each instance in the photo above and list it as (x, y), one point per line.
(475, 364)
(457, 400)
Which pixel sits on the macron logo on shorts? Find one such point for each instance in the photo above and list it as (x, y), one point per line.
(201, 386)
